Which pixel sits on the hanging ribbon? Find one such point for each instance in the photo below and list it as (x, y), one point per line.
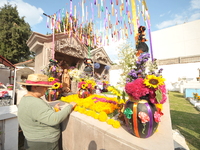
(98, 10)
(102, 5)
(134, 19)
(95, 2)
(113, 10)
(116, 2)
(75, 12)
(116, 17)
(48, 20)
(82, 10)
(126, 7)
(70, 8)
(130, 29)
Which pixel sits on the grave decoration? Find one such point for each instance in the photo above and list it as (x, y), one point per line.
(105, 86)
(196, 97)
(86, 87)
(74, 73)
(88, 66)
(147, 93)
(54, 72)
(97, 106)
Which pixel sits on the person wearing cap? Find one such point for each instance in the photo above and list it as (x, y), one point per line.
(39, 121)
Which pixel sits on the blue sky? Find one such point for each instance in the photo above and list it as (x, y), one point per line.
(163, 13)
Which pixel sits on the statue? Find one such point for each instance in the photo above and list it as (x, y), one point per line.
(66, 82)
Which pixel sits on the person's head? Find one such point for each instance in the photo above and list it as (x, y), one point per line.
(37, 84)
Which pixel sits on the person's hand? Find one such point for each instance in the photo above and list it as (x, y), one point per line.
(73, 104)
(57, 107)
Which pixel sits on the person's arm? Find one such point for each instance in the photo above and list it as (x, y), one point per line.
(47, 115)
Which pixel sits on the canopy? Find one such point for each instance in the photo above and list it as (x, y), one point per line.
(6, 62)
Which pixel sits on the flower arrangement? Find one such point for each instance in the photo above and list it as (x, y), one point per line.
(196, 96)
(53, 71)
(105, 86)
(86, 87)
(141, 84)
(147, 92)
(55, 82)
(97, 106)
(87, 84)
(119, 93)
(74, 73)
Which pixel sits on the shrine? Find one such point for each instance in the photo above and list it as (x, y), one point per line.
(70, 52)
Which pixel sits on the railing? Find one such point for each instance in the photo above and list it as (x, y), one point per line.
(179, 60)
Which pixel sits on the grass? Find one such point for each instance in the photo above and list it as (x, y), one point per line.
(186, 118)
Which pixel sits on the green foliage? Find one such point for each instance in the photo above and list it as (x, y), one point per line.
(14, 32)
(127, 59)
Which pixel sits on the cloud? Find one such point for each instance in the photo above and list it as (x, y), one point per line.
(112, 50)
(177, 20)
(194, 16)
(195, 4)
(161, 15)
(190, 14)
(32, 14)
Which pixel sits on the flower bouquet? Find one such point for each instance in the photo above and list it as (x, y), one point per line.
(53, 71)
(86, 87)
(147, 92)
(55, 92)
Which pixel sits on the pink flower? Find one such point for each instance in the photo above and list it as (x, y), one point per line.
(81, 83)
(143, 117)
(136, 88)
(152, 95)
(157, 115)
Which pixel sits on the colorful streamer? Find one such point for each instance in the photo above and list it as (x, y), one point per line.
(134, 19)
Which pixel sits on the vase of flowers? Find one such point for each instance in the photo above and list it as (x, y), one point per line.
(55, 92)
(142, 111)
(86, 87)
(83, 93)
(147, 92)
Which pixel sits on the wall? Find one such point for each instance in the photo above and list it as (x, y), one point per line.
(9, 131)
(4, 76)
(177, 41)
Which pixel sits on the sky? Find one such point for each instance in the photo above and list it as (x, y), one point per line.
(163, 14)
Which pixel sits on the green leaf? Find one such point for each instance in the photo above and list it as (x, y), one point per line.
(158, 95)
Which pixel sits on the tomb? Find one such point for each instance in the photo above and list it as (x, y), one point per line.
(68, 50)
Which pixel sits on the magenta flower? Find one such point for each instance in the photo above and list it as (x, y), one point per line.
(136, 88)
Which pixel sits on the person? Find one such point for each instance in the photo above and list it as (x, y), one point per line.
(39, 121)
(66, 81)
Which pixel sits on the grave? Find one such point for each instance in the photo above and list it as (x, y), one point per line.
(67, 49)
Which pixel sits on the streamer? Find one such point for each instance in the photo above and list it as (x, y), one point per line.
(102, 5)
(134, 19)
(75, 12)
(113, 10)
(82, 10)
(70, 8)
(116, 17)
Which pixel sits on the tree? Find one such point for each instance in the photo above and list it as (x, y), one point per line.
(14, 32)
(127, 59)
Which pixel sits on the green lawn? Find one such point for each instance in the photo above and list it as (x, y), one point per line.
(186, 118)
